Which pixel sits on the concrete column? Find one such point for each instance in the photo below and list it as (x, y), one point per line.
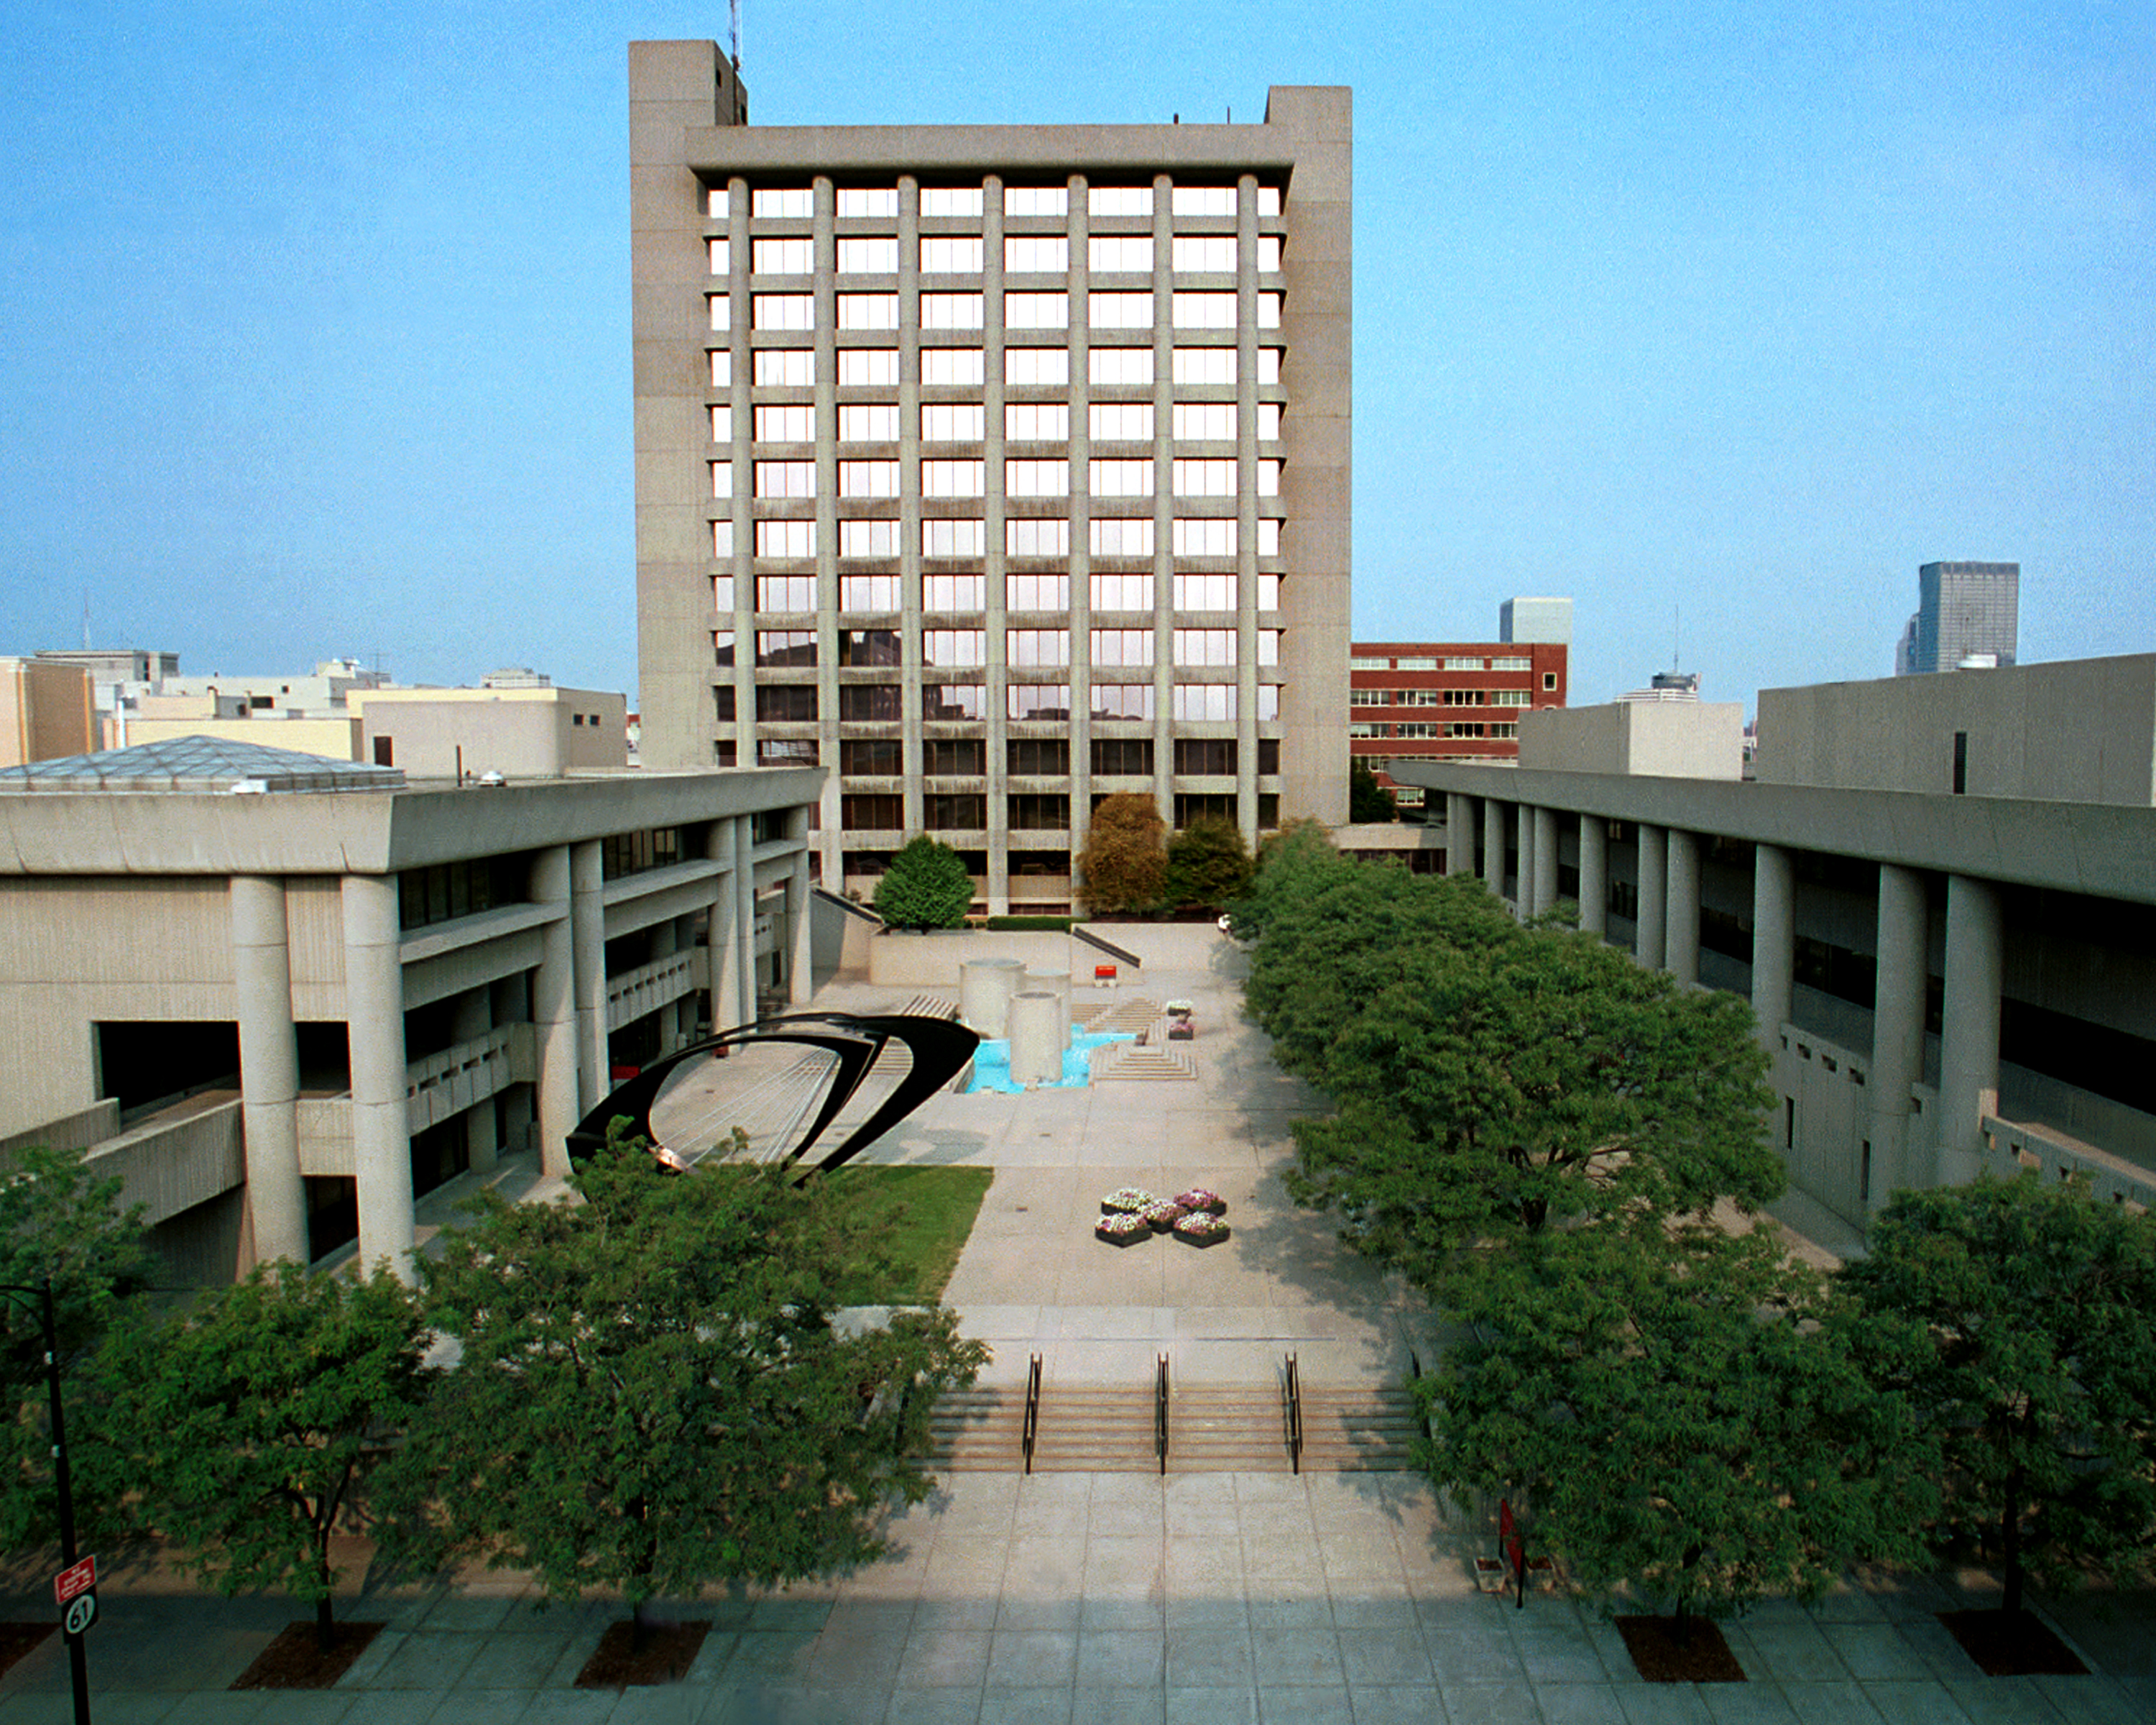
(1493, 845)
(1545, 894)
(1036, 1047)
(554, 1012)
(1680, 941)
(1969, 1033)
(1459, 834)
(744, 888)
(374, 1020)
(1898, 1028)
(721, 947)
(268, 1068)
(797, 937)
(588, 959)
(1649, 942)
(1594, 874)
(1523, 830)
(474, 1017)
(666, 943)
(1774, 941)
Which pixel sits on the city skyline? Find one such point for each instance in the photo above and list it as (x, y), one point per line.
(1749, 319)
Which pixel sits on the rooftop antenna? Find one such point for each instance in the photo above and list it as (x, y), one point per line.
(85, 619)
(733, 26)
(1677, 635)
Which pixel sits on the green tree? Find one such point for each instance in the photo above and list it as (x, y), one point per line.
(1208, 864)
(1368, 801)
(1488, 1093)
(1691, 1422)
(653, 1395)
(1124, 862)
(252, 1422)
(58, 1220)
(926, 887)
(2038, 1305)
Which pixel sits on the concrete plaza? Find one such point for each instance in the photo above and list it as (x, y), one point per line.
(1116, 1598)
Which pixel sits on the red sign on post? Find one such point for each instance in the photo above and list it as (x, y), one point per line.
(78, 1577)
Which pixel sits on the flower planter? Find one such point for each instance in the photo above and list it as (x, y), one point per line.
(1490, 1575)
(1198, 1198)
(1199, 1229)
(1162, 1217)
(1123, 1227)
(1127, 1199)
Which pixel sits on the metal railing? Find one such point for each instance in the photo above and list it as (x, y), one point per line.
(1031, 1428)
(1160, 1411)
(1080, 932)
(847, 904)
(1294, 1416)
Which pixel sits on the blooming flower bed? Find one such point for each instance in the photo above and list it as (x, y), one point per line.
(1164, 1214)
(1200, 1227)
(1123, 1227)
(1128, 1197)
(1198, 1198)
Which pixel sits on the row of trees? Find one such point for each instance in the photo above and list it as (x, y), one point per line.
(649, 1393)
(1130, 864)
(1569, 1154)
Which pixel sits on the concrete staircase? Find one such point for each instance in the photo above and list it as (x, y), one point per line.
(1094, 1431)
(1365, 1430)
(978, 1430)
(1155, 1059)
(1129, 1016)
(1227, 1429)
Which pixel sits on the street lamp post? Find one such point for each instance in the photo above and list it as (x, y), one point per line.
(78, 1659)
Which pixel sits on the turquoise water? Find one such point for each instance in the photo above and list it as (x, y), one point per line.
(992, 1063)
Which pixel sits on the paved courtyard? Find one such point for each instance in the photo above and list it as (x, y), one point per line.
(1099, 1600)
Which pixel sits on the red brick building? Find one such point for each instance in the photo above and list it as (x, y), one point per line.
(1424, 701)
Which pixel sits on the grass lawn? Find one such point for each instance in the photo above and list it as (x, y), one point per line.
(922, 1216)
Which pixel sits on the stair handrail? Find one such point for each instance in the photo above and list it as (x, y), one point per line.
(1080, 932)
(1294, 1415)
(849, 906)
(1031, 1428)
(1160, 1411)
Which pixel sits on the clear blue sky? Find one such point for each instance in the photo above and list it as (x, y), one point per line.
(314, 319)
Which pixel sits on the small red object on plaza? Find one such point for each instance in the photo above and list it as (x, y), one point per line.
(1104, 973)
(76, 1579)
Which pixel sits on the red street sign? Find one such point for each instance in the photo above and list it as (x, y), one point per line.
(76, 1579)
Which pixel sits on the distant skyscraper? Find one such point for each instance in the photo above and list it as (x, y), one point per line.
(1535, 620)
(1964, 610)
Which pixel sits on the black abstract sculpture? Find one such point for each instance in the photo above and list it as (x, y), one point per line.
(939, 1048)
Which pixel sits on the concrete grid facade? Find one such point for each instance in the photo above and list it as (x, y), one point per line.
(996, 468)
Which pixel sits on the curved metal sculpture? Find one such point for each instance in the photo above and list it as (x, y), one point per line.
(940, 1048)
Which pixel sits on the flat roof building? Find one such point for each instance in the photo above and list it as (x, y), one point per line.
(997, 468)
(1964, 612)
(1445, 701)
(284, 998)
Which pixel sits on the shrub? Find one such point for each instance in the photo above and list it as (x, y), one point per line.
(926, 887)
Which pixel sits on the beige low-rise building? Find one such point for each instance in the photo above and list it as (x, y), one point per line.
(45, 712)
(282, 996)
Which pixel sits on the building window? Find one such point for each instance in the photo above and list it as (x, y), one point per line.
(1119, 368)
(946, 649)
(1268, 365)
(786, 703)
(1961, 763)
(1204, 479)
(1268, 478)
(1122, 757)
(1119, 200)
(1205, 592)
(786, 751)
(1269, 592)
(623, 853)
(1119, 253)
(1505, 664)
(954, 702)
(1121, 536)
(951, 311)
(1038, 756)
(1026, 537)
(868, 368)
(1036, 200)
(1041, 703)
(1269, 421)
(1204, 702)
(1037, 479)
(950, 200)
(782, 311)
(861, 812)
(868, 257)
(953, 592)
(1269, 310)
(785, 478)
(944, 536)
(1205, 421)
(870, 593)
(786, 648)
(1119, 311)
(1124, 700)
(869, 539)
(954, 422)
(868, 311)
(1208, 367)
(1196, 311)
(1037, 592)
(784, 204)
(1205, 537)
(1036, 254)
(1123, 647)
(1203, 201)
(717, 203)
(1510, 698)
(1120, 422)
(869, 704)
(1199, 758)
(1203, 805)
(1549, 681)
(951, 367)
(786, 592)
(786, 425)
(724, 753)
(952, 479)
(861, 649)
(722, 479)
(722, 376)
(722, 539)
(1033, 813)
(783, 257)
(1030, 648)
(962, 813)
(1036, 368)
(954, 757)
(445, 892)
(1122, 592)
(868, 422)
(951, 254)
(722, 310)
(785, 367)
(786, 539)
(1204, 253)
(1035, 422)
(1204, 646)
(1121, 478)
(863, 478)
(722, 420)
(867, 203)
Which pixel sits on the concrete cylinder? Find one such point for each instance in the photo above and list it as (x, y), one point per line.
(1594, 874)
(1651, 930)
(268, 1068)
(1969, 1039)
(1459, 834)
(1680, 937)
(1058, 983)
(1546, 894)
(985, 988)
(374, 1023)
(1036, 1051)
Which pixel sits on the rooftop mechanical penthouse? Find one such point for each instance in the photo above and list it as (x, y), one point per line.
(995, 469)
